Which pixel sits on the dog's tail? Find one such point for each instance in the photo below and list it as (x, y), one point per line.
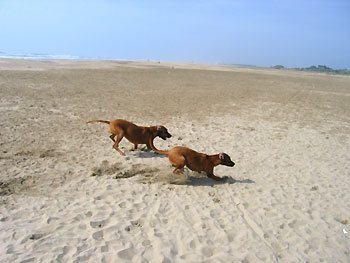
(160, 152)
(98, 121)
(155, 149)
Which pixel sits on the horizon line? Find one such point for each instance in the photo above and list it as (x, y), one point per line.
(51, 57)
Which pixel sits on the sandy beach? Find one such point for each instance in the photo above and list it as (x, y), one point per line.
(68, 196)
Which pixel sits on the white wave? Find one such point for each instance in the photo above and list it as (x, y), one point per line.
(36, 56)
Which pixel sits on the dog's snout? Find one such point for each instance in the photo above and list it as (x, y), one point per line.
(232, 164)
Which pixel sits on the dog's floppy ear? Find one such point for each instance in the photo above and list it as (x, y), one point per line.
(159, 128)
(221, 156)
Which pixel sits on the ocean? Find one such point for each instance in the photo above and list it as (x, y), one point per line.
(38, 56)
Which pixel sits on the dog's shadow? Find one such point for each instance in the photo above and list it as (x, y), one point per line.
(205, 181)
(145, 153)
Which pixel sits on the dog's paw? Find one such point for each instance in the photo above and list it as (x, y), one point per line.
(225, 178)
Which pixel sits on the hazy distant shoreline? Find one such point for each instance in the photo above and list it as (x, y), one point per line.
(49, 57)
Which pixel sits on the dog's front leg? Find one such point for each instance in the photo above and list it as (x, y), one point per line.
(212, 176)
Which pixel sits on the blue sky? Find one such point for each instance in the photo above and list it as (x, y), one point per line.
(263, 33)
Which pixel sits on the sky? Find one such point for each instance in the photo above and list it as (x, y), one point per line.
(292, 33)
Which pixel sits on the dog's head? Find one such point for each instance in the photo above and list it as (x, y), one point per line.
(226, 160)
(163, 133)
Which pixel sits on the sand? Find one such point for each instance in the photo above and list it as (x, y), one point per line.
(67, 196)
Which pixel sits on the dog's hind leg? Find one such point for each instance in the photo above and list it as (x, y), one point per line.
(117, 141)
(176, 171)
(178, 162)
(112, 137)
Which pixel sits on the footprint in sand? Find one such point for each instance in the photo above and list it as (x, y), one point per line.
(133, 226)
(127, 254)
(36, 236)
(216, 200)
(99, 223)
(89, 214)
(104, 248)
(98, 235)
(67, 251)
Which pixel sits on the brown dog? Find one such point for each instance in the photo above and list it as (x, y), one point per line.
(198, 162)
(135, 134)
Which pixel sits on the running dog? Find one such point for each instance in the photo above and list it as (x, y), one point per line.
(199, 162)
(134, 133)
